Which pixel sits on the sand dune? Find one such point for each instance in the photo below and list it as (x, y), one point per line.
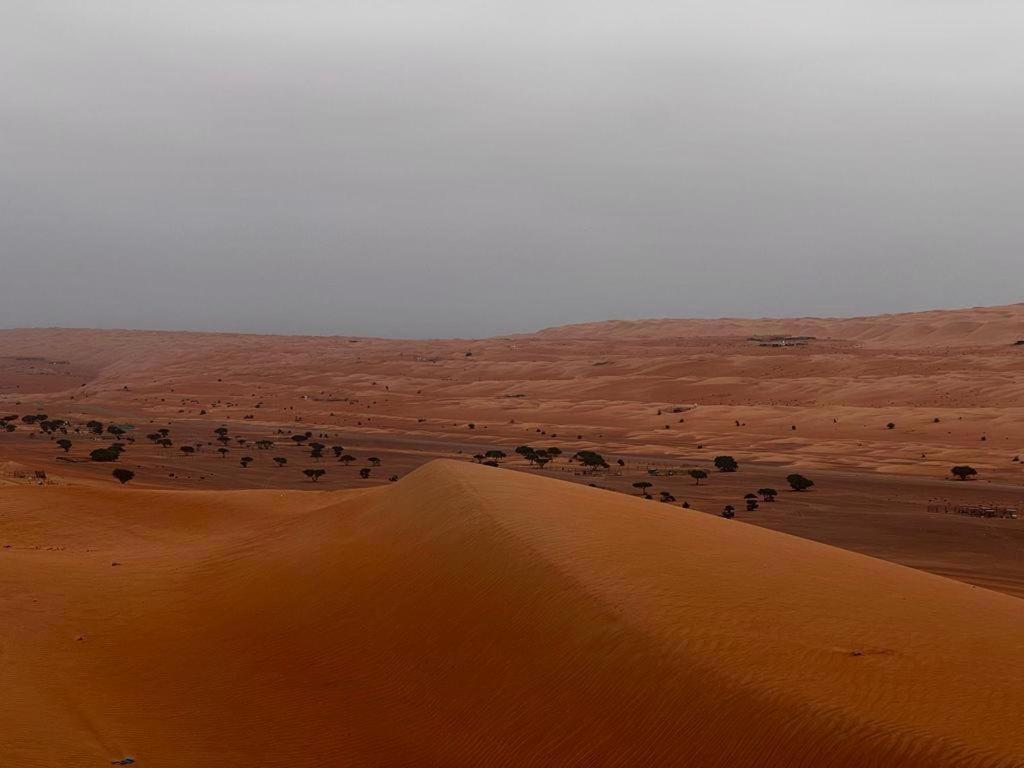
(475, 616)
(609, 385)
(669, 393)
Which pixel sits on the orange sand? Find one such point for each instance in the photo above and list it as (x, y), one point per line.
(476, 616)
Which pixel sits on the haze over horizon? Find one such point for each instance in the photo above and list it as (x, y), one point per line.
(443, 169)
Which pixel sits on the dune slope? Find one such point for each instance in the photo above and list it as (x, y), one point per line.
(468, 616)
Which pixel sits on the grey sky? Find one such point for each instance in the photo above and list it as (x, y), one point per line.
(473, 167)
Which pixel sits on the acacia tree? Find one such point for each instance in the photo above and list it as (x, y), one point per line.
(495, 455)
(364, 472)
(642, 486)
(314, 474)
(799, 482)
(591, 460)
(104, 454)
(280, 461)
(223, 452)
(245, 461)
(698, 475)
(768, 494)
(374, 461)
(346, 459)
(65, 444)
(962, 471)
(123, 475)
(726, 464)
(729, 512)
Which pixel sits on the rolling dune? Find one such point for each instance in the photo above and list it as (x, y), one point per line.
(977, 326)
(949, 380)
(470, 616)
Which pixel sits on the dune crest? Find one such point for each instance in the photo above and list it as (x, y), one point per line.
(473, 616)
(976, 326)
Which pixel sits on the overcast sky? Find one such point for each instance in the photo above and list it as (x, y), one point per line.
(472, 167)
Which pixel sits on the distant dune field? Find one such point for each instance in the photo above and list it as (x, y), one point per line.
(952, 383)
